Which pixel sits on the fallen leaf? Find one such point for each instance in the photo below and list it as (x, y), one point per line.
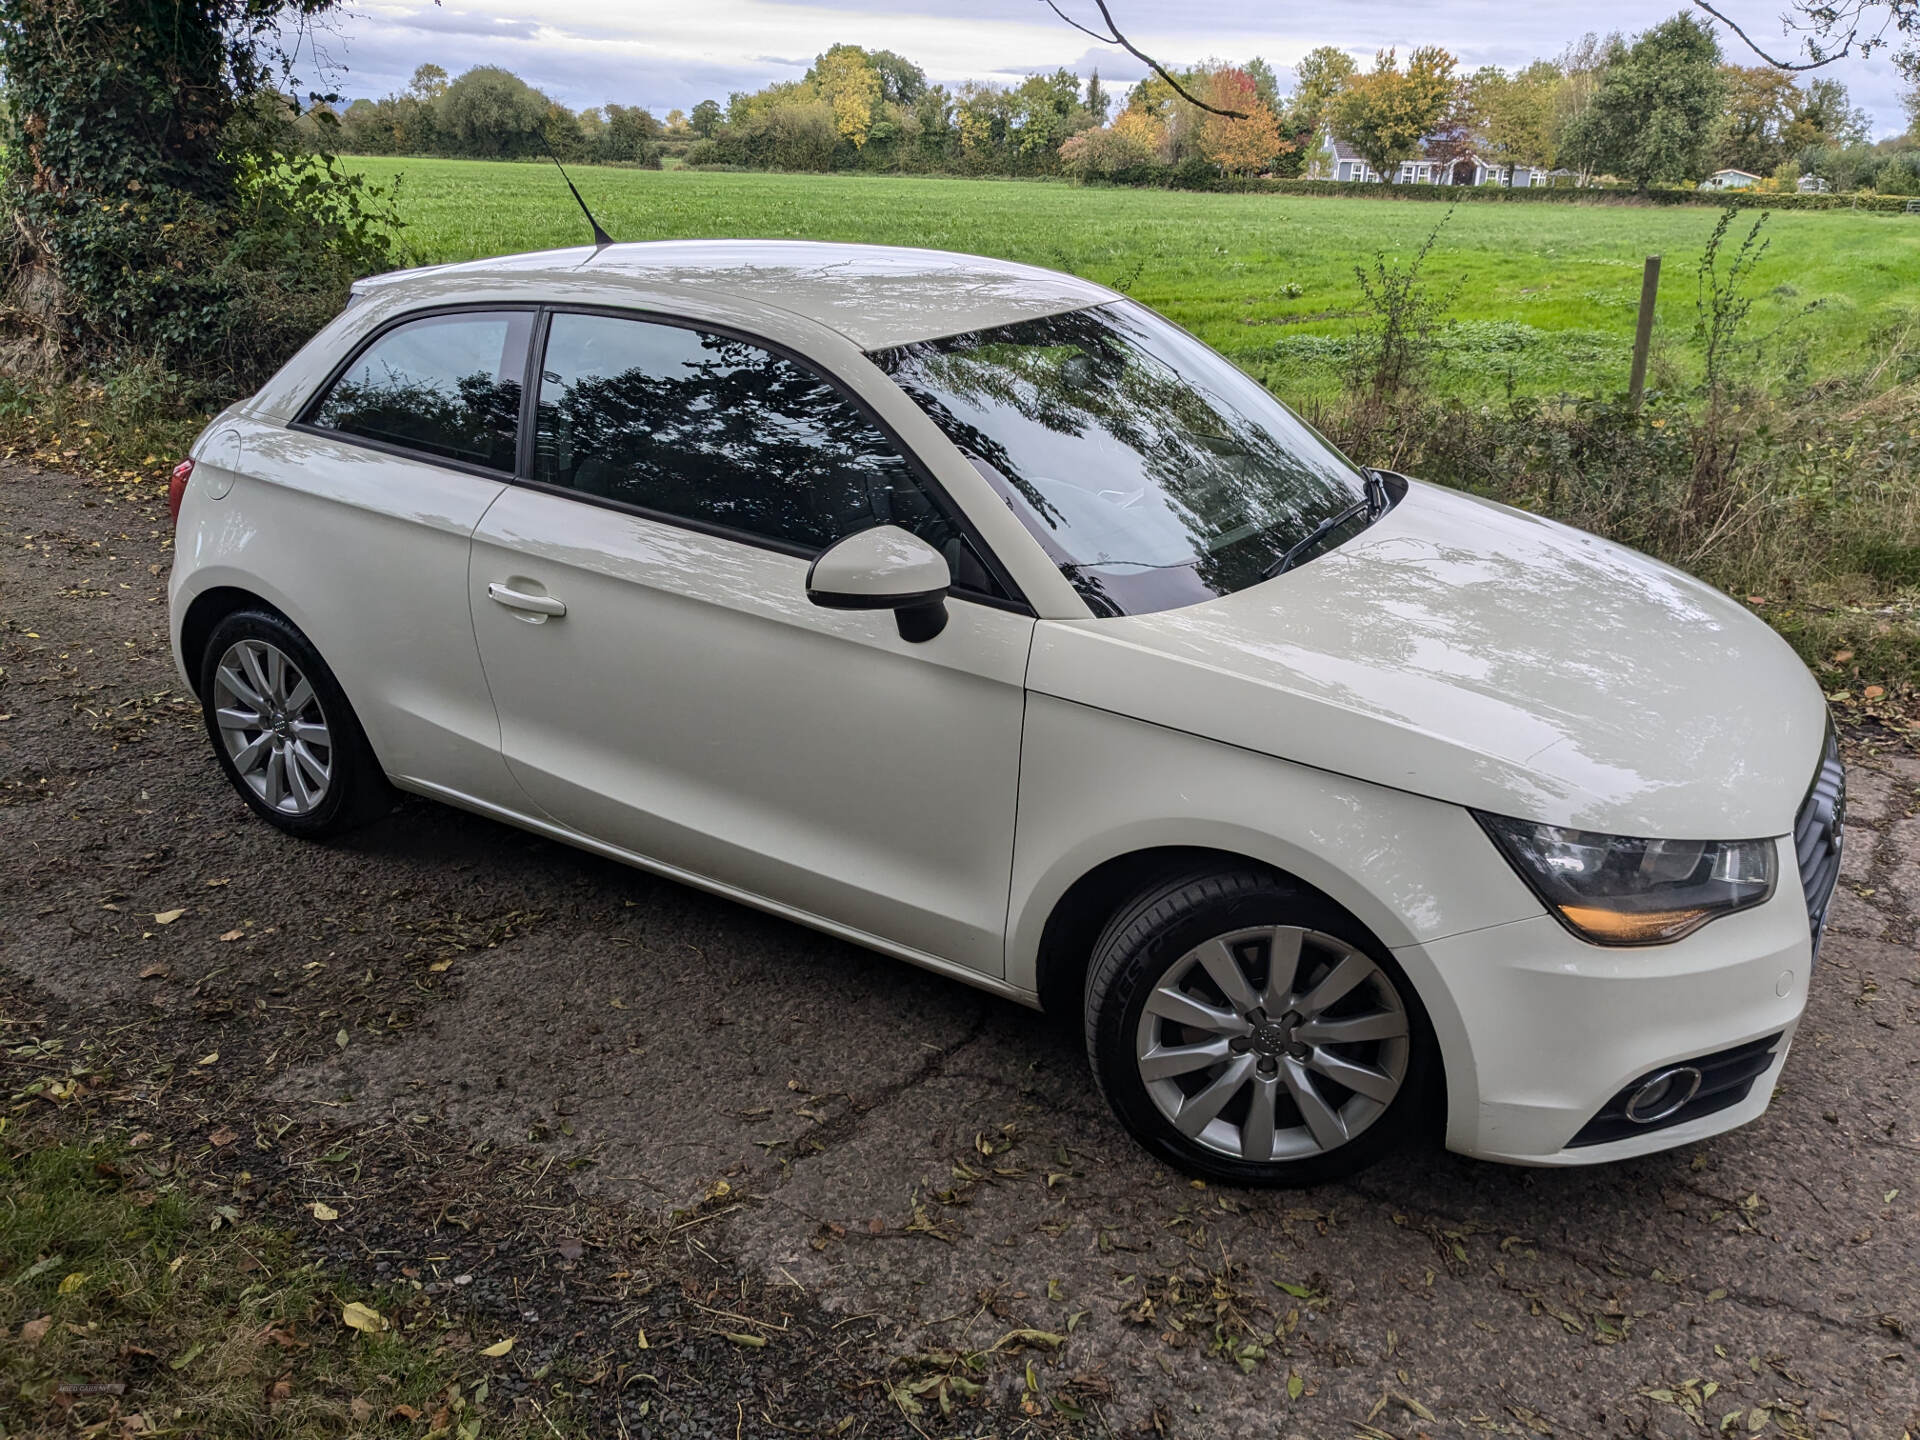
(365, 1319)
(494, 1352)
(323, 1211)
(640, 1343)
(73, 1282)
(234, 935)
(404, 1412)
(208, 1058)
(361, 1409)
(223, 1136)
(440, 967)
(756, 1342)
(35, 1330)
(341, 1039)
(167, 917)
(221, 881)
(154, 972)
(1873, 692)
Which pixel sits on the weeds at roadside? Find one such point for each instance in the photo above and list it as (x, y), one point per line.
(1395, 345)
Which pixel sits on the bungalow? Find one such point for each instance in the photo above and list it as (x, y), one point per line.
(1346, 164)
(1730, 179)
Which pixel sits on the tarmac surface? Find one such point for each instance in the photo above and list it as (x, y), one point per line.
(888, 1156)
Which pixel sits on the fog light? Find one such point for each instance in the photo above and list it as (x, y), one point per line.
(1663, 1094)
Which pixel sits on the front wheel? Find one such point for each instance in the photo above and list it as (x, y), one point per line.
(1247, 1029)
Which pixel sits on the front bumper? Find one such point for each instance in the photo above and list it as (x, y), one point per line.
(1539, 1030)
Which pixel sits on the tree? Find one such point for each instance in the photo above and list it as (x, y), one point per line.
(491, 113)
(1911, 100)
(1097, 102)
(1386, 113)
(1823, 114)
(1651, 120)
(429, 83)
(1752, 131)
(848, 82)
(901, 81)
(629, 136)
(706, 118)
(1581, 66)
(1513, 114)
(1238, 146)
(1322, 73)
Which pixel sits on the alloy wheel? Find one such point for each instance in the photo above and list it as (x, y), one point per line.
(1274, 1043)
(272, 726)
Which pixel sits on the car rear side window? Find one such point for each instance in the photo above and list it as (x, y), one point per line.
(444, 385)
(721, 432)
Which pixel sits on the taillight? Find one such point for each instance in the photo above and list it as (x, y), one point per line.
(177, 488)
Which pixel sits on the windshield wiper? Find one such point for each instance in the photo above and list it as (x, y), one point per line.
(1373, 506)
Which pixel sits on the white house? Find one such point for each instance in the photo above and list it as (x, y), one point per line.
(1730, 179)
(1344, 163)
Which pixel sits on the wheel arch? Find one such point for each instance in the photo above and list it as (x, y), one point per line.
(1077, 917)
(207, 610)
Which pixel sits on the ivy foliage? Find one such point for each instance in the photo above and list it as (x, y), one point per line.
(159, 216)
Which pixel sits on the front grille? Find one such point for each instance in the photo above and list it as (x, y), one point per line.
(1817, 834)
(1726, 1078)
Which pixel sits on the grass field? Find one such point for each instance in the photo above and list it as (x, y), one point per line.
(1546, 293)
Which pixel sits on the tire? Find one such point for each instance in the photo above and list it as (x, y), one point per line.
(1255, 1101)
(283, 732)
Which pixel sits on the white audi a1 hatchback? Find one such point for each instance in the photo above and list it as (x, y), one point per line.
(977, 614)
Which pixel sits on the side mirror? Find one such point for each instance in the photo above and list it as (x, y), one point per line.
(885, 568)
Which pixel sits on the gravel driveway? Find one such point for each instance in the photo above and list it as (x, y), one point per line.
(908, 1191)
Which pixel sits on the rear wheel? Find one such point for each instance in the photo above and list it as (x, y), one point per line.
(1245, 1028)
(283, 731)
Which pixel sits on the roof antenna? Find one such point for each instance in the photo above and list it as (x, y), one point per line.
(600, 237)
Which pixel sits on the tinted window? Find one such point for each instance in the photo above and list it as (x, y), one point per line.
(1152, 471)
(707, 428)
(447, 385)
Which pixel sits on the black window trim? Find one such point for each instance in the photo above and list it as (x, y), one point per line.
(1015, 602)
(304, 422)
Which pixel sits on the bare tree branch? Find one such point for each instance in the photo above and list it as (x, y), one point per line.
(1821, 21)
(1777, 64)
(1114, 37)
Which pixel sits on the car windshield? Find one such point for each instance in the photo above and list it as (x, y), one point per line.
(1153, 472)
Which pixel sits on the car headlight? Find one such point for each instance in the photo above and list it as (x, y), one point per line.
(1615, 890)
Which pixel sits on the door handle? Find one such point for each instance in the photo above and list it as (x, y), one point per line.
(520, 600)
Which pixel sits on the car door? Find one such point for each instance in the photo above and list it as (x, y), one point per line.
(362, 514)
(663, 683)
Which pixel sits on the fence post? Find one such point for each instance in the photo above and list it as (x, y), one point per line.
(1643, 332)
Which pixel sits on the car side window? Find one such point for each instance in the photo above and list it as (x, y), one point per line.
(720, 431)
(445, 385)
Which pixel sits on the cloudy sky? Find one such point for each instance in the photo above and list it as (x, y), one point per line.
(667, 55)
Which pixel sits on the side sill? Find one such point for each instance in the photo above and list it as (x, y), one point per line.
(552, 831)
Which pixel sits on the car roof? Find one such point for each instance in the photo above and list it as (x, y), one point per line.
(877, 296)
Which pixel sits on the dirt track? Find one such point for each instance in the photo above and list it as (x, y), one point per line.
(541, 1057)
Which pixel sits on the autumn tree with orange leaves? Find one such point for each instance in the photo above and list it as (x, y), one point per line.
(1245, 142)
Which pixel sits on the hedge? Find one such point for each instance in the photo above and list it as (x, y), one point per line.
(1540, 194)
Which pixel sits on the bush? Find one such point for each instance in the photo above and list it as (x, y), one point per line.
(152, 217)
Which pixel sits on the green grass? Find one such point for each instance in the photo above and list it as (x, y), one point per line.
(1546, 299)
